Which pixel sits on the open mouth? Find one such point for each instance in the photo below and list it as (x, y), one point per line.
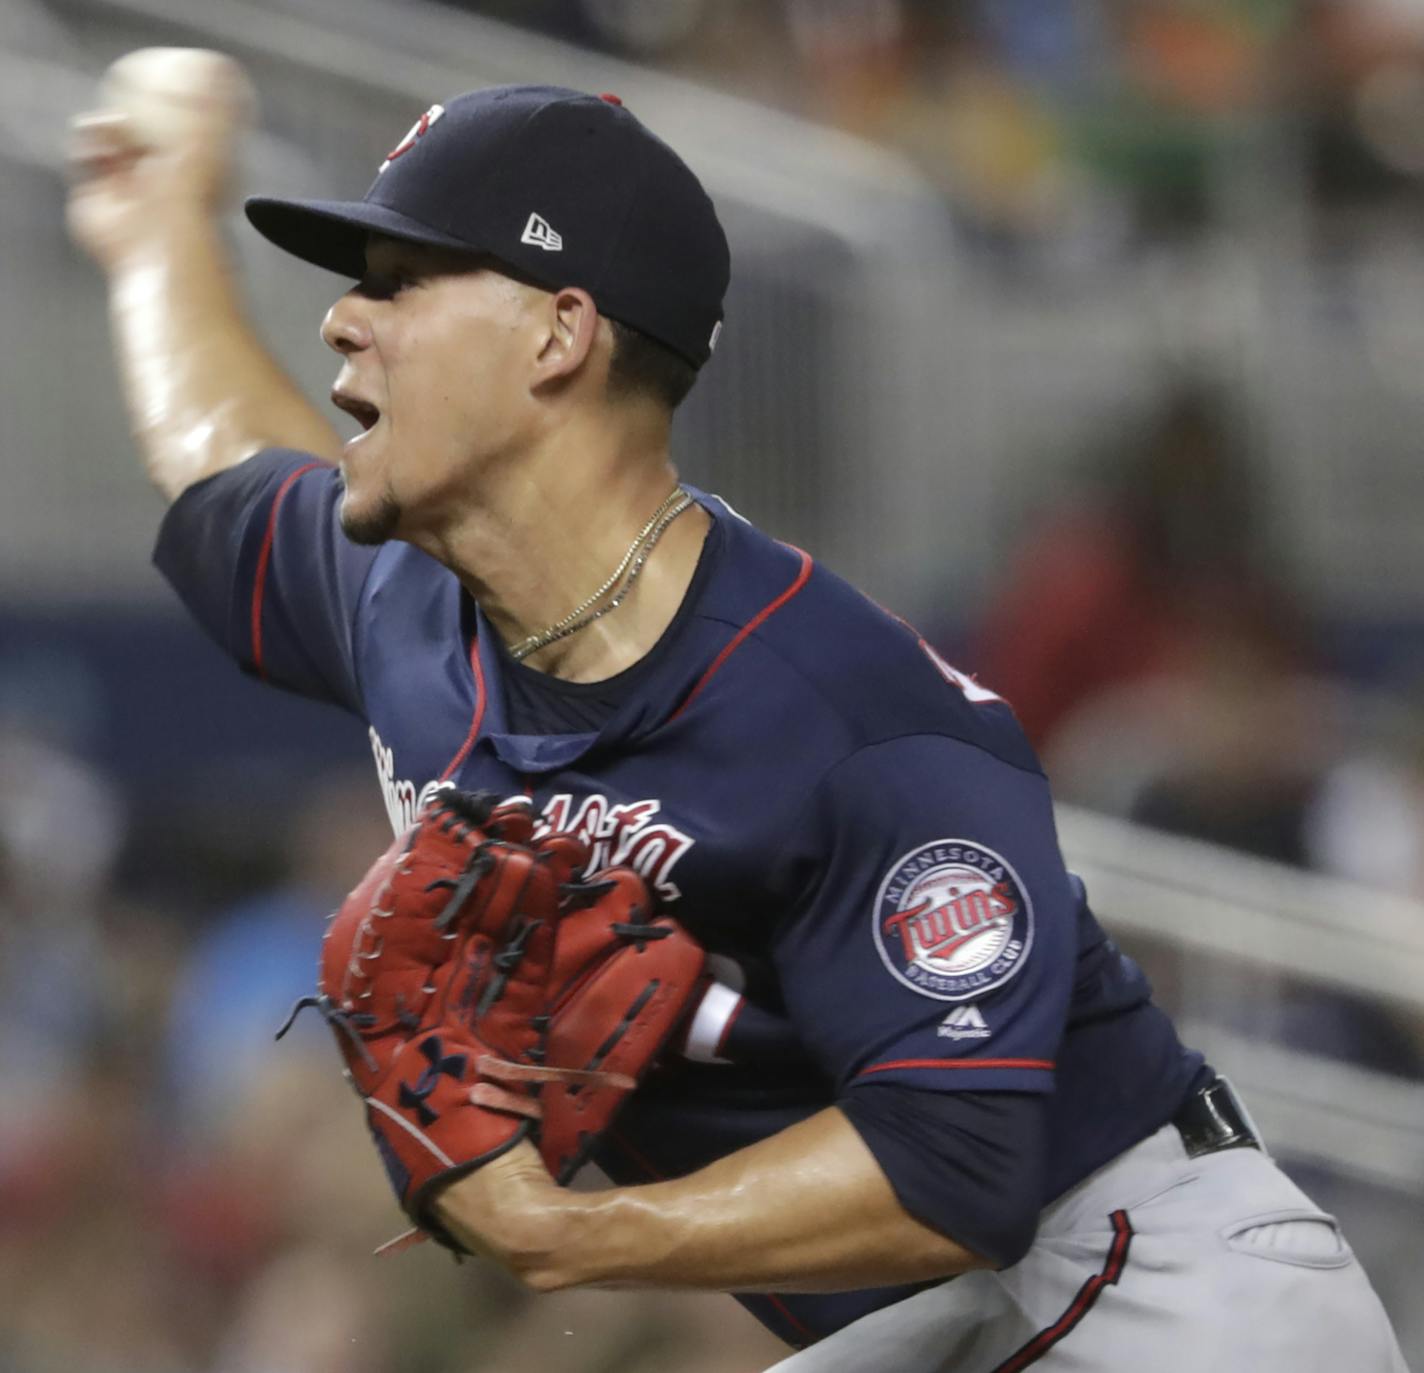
(362, 411)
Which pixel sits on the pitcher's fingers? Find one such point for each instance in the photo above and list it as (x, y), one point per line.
(102, 141)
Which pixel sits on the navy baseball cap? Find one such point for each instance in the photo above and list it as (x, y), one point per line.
(564, 188)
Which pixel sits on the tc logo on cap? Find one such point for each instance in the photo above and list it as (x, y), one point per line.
(417, 131)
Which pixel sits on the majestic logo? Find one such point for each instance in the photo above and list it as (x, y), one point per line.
(418, 130)
(952, 920)
(441, 1064)
(541, 234)
(964, 1022)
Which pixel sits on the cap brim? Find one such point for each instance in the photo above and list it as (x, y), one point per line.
(332, 233)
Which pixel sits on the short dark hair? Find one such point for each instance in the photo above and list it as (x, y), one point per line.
(642, 365)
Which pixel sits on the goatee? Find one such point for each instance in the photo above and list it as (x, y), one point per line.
(375, 526)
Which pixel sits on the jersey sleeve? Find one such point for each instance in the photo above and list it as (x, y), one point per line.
(931, 940)
(969, 1164)
(257, 555)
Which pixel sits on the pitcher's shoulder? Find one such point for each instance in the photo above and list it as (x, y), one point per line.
(875, 671)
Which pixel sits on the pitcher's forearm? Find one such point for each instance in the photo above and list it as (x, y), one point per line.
(807, 1210)
(203, 391)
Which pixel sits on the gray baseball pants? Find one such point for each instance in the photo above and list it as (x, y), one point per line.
(1157, 1261)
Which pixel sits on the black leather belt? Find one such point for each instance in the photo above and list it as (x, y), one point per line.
(1212, 1119)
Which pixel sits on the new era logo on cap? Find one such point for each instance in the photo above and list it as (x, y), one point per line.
(539, 232)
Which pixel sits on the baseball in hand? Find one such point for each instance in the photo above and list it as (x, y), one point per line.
(174, 96)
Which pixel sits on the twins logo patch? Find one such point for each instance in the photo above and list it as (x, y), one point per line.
(952, 920)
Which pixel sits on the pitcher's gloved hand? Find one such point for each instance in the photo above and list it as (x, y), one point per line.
(621, 982)
(475, 990)
(434, 976)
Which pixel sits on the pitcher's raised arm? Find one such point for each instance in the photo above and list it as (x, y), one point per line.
(151, 168)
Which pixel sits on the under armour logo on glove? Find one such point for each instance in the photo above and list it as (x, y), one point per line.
(413, 1094)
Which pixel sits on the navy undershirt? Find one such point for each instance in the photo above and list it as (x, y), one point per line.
(968, 1164)
(537, 703)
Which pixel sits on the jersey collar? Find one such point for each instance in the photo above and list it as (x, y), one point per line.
(748, 570)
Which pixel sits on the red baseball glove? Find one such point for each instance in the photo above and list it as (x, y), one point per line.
(621, 981)
(476, 990)
(434, 977)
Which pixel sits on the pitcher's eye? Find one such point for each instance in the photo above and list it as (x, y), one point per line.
(383, 285)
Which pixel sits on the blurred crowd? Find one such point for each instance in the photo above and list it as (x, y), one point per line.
(1165, 673)
(1081, 128)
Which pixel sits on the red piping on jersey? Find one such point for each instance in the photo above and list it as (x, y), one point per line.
(751, 626)
(259, 580)
(788, 1317)
(1046, 1063)
(1081, 1304)
(657, 1176)
(455, 763)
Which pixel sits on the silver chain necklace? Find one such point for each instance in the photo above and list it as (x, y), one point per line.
(632, 563)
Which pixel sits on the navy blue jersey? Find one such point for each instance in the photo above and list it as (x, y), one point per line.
(859, 835)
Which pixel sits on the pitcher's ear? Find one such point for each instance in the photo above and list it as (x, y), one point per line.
(570, 328)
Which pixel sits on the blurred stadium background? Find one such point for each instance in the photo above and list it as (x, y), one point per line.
(1088, 334)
